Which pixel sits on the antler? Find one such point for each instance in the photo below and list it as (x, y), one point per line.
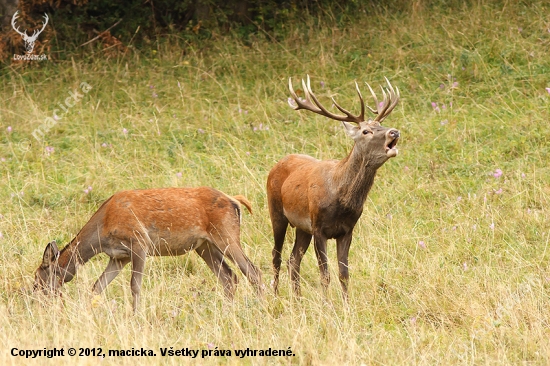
(37, 32)
(13, 18)
(312, 104)
(318, 108)
(384, 108)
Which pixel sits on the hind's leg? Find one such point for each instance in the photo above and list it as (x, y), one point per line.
(214, 259)
(230, 246)
(113, 269)
(138, 266)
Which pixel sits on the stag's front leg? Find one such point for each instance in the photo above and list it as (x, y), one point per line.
(342, 250)
(320, 242)
(138, 266)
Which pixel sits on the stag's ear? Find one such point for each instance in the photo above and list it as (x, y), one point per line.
(50, 254)
(352, 130)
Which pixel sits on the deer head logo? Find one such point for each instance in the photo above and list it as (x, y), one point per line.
(29, 40)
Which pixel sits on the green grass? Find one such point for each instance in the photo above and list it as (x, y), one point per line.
(478, 293)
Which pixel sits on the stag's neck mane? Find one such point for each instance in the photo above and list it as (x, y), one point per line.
(354, 176)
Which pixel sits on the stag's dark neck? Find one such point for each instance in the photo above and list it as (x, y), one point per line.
(71, 257)
(354, 177)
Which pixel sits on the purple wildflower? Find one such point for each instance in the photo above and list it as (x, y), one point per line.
(441, 86)
(179, 175)
(124, 131)
(548, 90)
(322, 84)
(499, 191)
(421, 244)
(497, 173)
(9, 129)
(200, 130)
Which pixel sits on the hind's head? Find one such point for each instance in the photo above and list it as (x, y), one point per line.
(47, 278)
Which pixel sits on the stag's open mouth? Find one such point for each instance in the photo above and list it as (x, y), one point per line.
(391, 150)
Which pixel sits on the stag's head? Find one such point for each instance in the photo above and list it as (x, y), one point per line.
(29, 40)
(372, 140)
(48, 278)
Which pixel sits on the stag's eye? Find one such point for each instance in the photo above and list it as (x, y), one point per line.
(366, 132)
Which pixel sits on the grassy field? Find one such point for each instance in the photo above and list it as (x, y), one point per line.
(449, 262)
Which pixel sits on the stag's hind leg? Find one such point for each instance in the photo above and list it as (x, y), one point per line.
(215, 261)
(301, 244)
(280, 224)
(113, 269)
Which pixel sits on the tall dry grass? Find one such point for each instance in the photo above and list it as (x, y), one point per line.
(449, 262)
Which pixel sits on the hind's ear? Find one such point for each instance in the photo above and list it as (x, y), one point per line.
(50, 254)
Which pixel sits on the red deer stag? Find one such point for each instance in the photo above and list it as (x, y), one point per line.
(324, 199)
(132, 225)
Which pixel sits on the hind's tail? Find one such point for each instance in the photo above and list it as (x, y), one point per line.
(244, 202)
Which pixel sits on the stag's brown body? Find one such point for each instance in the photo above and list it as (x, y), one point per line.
(324, 199)
(132, 225)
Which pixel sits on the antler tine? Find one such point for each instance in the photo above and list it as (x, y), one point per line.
(384, 105)
(312, 104)
(375, 100)
(395, 95)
